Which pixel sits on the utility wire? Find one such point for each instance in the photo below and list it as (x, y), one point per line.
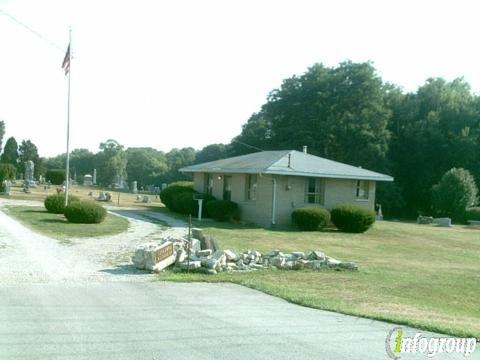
(36, 33)
(250, 146)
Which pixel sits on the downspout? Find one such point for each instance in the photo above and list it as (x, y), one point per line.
(274, 198)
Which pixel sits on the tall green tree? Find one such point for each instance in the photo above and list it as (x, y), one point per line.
(340, 113)
(28, 151)
(211, 152)
(2, 133)
(10, 152)
(111, 163)
(145, 165)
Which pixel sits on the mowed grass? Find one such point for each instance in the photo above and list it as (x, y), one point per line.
(418, 275)
(57, 227)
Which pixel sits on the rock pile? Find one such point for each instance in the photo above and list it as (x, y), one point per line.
(169, 251)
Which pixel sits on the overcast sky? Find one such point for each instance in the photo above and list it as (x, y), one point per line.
(189, 73)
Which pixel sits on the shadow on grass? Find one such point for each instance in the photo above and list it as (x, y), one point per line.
(35, 211)
(141, 214)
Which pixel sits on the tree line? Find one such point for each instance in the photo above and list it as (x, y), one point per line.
(345, 113)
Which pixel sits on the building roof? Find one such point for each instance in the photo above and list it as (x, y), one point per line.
(287, 162)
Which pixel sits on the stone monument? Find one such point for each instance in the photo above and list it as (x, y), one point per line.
(29, 167)
(134, 187)
(94, 180)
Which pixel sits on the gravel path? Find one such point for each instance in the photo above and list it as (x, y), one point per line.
(28, 256)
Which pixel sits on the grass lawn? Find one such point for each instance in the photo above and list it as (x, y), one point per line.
(57, 227)
(418, 275)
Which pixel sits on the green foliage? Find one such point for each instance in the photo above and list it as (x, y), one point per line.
(28, 151)
(55, 204)
(167, 194)
(310, 218)
(7, 172)
(111, 163)
(184, 203)
(352, 218)
(10, 152)
(145, 165)
(85, 212)
(455, 192)
(2, 133)
(473, 213)
(211, 152)
(223, 210)
(176, 159)
(55, 176)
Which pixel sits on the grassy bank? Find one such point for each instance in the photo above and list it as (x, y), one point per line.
(57, 227)
(418, 275)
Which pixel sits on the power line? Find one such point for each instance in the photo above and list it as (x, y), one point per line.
(250, 146)
(36, 33)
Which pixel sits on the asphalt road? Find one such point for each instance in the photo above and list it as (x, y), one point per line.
(97, 314)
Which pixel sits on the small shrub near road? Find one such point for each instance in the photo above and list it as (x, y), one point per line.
(55, 204)
(85, 212)
(223, 210)
(473, 213)
(352, 218)
(310, 218)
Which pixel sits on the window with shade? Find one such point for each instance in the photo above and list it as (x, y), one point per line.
(314, 191)
(251, 187)
(362, 190)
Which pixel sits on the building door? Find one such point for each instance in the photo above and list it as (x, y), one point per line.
(227, 187)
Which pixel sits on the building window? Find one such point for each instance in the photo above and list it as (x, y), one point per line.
(314, 190)
(208, 184)
(227, 187)
(251, 187)
(362, 189)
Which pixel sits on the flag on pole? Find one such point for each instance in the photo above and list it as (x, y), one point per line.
(66, 61)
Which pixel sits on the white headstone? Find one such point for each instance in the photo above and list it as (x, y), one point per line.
(94, 177)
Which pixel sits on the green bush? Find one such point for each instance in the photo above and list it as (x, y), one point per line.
(473, 213)
(455, 192)
(352, 218)
(85, 212)
(223, 210)
(167, 194)
(56, 203)
(55, 176)
(7, 172)
(184, 203)
(310, 218)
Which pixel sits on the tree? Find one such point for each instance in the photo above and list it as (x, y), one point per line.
(10, 152)
(145, 165)
(211, 153)
(28, 151)
(340, 113)
(7, 172)
(111, 163)
(82, 162)
(176, 159)
(2, 133)
(455, 192)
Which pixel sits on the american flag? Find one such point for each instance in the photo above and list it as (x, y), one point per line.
(66, 61)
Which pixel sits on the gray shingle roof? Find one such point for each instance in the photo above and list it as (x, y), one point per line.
(277, 162)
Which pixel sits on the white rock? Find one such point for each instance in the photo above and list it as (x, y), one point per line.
(231, 256)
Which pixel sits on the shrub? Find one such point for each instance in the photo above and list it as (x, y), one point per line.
(7, 172)
(184, 203)
(310, 218)
(55, 176)
(455, 192)
(223, 210)
(352, 218)
(473, 213)
(56, 203)
(167, 194)
(85, 212)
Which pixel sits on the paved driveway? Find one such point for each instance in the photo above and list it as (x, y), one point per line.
(48, 313)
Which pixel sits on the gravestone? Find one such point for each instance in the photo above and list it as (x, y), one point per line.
(134, 187)
(146, 199)
(87, 180)
(7, 184)
(29, 167)
(444, 222)
(94, 179)
(102, 196)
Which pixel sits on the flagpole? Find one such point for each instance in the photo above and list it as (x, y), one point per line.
(67, 170)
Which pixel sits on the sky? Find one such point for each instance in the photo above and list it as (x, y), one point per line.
(167, 74)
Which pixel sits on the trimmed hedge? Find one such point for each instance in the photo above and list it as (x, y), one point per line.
(167, 194)
(85, 212)
(310, 218)
(55, 204)
(55, 176)
(352, 218)
(223, 210)
(473, 213)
